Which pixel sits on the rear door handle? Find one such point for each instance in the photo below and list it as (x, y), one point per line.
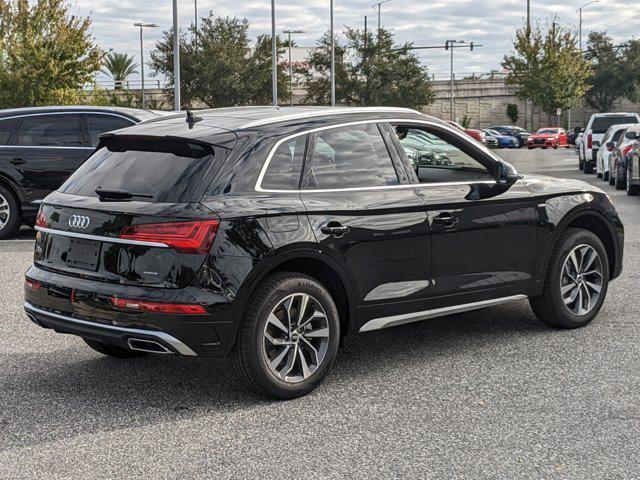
(334, 228)
(446, 219)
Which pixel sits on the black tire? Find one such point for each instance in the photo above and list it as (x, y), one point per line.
(612, 179)
(249, 354)
(113, 350)
(605, 176)
(620, 183)
(588, 168)
(10, 213)
(632, 190)
(580, 163)
(549, 307)
(599, 175)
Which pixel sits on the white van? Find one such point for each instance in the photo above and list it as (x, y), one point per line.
(598, 124)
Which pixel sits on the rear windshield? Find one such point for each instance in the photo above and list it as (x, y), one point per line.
(164, 171)
(602, 124)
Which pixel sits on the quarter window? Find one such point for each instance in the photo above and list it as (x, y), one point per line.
(50, 130)
(98, 124)
(350, 157)
(6, 128)
(283, 172)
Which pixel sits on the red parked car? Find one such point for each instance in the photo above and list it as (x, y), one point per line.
(479, 135)
(548, 137)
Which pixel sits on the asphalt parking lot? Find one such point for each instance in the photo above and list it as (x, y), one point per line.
(489, 394)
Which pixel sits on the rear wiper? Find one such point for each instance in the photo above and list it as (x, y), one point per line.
(118, 194)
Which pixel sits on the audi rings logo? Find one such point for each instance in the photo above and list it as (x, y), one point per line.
(79, 221)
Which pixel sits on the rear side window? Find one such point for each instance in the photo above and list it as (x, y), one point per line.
(602, 124)
(6, 128)
(97, 124)
(283, 171)
(164, 171)
(350, 157)
(616, 135)
(50, 131)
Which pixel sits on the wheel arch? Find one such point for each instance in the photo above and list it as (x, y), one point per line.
(316, 264)
(596, 223)
(8, 183)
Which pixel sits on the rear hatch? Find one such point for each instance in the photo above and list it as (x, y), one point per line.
(601, 124)
(131, 214)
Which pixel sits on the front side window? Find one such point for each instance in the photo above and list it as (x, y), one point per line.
(437, 159)
(50, 131)
(283, 171)
(349, 157)
(97, 124)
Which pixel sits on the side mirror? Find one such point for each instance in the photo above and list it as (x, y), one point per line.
(507, 174)
(611, 146)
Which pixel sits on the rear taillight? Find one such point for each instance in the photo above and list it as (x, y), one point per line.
(32, 284)
(610, 148)
(157, 307)
(589, 141)
(185, 237)
(42, 220)
(627, 149)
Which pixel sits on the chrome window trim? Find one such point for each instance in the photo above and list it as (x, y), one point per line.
(165, 337)
(265, 166)
(100, 238)
(39, 114)
(391, 321)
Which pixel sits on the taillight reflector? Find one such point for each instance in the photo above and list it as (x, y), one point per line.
(627, 149)
(185, 237)
(42, 220)
(589, 141)
(157, 307)
(32, 284)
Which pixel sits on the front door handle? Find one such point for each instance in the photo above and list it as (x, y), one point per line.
(334, 228)
(446, 219)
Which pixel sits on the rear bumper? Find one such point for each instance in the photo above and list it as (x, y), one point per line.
(80, 306)
(110, 334)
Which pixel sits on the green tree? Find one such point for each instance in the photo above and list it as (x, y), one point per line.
(631, 70)
(46, 54)
(512, 112)
(547, 67)
(119, 66)
(258, 77)
(219, 71)
(370, 70)
(606, 80)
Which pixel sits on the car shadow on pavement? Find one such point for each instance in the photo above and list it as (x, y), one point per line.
(66, 393)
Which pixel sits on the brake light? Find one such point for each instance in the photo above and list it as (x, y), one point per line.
(627, 149)
(42, 220)
(610, 148)
(157, 307)
(589, 141)
(185, 237)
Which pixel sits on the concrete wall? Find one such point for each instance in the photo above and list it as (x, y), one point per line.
(485, 102)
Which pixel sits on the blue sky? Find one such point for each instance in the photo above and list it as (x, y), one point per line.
(490, 23)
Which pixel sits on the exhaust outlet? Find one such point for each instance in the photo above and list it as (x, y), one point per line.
(148, 346)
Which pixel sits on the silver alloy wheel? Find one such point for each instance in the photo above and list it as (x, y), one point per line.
(296, 337)
(581, 280)
(5, 212)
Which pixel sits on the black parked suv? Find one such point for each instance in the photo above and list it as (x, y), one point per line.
(41, 146)
(268, 234)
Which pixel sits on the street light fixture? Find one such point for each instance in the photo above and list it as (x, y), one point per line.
(289, 32)
(143, 25)
(176, 59)
(579, 10)
(378, 5)
(450, 44)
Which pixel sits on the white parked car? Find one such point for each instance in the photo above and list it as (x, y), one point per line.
(609, 141)
(618, 159)
(598, 124)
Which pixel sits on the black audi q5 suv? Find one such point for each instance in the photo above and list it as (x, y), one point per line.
(267, 234)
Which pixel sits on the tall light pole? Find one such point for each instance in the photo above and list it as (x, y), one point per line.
(579, 10)
(378, 6)
(143, 25)
(289, 32)
(526, 101)
(176, 59)
(333, 58)
(195, 16)
(451, 44)
(274, 56)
